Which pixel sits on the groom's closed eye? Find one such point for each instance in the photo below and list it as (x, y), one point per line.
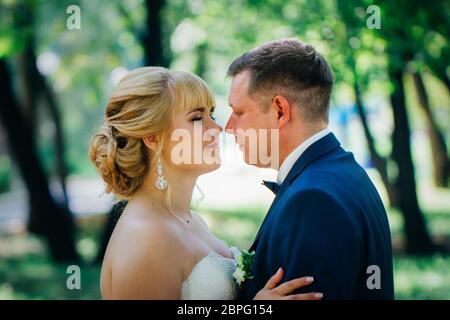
(237, 112)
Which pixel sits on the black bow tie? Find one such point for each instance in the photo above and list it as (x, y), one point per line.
(273, 186)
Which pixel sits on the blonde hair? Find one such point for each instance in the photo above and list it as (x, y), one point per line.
(141, 105)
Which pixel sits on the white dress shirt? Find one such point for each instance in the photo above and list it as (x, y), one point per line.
(292, 158)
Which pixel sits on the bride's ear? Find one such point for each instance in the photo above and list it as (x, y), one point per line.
(150, 142)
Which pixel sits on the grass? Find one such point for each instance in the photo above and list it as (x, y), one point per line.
(422, 278)
(28, 273)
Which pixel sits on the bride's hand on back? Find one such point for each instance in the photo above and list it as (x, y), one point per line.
(282, 292)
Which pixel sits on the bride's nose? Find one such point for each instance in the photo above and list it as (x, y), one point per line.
(217, 126)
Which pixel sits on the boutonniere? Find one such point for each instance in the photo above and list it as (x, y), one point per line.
(244, 260)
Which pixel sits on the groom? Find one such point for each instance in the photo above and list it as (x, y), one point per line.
(327, 219)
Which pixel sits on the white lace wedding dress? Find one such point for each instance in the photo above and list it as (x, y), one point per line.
(212, 279)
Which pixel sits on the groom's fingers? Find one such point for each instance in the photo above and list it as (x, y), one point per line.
(290, 286)
(274, 280)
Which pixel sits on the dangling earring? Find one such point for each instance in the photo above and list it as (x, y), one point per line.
(161, 182)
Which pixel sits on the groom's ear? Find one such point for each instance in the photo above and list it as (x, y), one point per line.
(150, 142)
(283, 109)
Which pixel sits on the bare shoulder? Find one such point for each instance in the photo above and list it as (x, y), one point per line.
(199, 218)
(141, 247)
(142, 220)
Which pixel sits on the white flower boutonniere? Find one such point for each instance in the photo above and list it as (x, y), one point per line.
(244, 261)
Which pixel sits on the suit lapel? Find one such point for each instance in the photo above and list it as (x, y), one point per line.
(314, 152)
(258, 235)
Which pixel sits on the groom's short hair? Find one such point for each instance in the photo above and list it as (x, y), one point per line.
(290, 68)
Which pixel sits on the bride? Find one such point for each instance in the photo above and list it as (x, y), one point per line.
(160, 249)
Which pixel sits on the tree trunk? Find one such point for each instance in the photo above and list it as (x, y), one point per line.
(152, 40)
(47, 94)
(418, 241)
(56, 222)
(29, 96)
(438, 68)
(446, 81)
(380, 163)
(441, 163)
(201, 66)
(37, 89)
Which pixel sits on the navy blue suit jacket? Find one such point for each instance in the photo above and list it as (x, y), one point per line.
(326, 221)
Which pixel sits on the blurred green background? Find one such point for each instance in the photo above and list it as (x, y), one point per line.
(390, 107)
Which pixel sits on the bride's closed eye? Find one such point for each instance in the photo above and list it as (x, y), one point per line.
(195, 119)
(199, 117)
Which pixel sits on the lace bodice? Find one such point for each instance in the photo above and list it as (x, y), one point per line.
(211, 279)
